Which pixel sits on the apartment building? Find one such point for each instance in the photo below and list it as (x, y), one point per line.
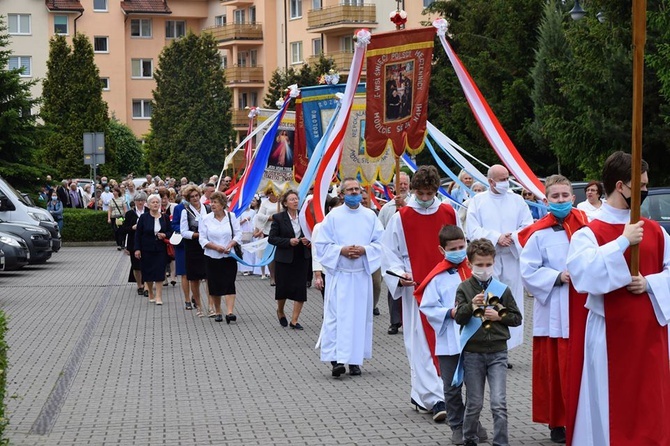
(255, 37)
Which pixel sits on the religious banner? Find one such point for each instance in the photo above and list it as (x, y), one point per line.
(355, 161)
(313, 110)
(398, 80)
(279, 169)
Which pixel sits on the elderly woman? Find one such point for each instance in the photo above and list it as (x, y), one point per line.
(190, 218)
(219, 232)
(129, 228)
(152, 232)
(594, 199)
(115, 214)
(292, 259)
(263, 222)
(458, 193)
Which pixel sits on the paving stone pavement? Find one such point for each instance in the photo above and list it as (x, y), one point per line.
(93, 363)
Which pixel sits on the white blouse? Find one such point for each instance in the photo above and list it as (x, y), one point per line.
(218, 232)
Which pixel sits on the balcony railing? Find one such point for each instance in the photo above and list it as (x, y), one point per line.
(240, 117)
(236, 2)
(237, 31)
(237, 74)
(341, 15)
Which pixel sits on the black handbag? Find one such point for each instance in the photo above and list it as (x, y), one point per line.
(237, 247)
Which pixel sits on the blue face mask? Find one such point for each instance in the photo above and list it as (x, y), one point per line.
(424, 203)
(455, 257)
(106, 189)
(560, 210)
(353, 200)
(54, 198)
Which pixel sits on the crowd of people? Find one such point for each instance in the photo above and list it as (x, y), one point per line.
(456, 273)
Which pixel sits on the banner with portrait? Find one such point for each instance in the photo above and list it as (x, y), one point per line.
(279, 169)
(398, 82)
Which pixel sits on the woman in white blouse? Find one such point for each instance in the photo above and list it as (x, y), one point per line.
(247, 228)
(594, 199)
(219, 233)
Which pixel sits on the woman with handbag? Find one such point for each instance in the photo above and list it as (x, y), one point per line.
(292, 259)
(151, 237)
(129, 227)
(219, 234)
(115, 214)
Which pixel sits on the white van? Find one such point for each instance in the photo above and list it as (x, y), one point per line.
(15, 208)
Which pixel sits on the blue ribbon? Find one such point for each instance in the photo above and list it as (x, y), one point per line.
(408, 161)
(268, 257)
(446, 170)
(496, 288)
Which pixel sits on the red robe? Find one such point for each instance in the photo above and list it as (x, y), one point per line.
(551, 354)
(637, 350)
(422, 239)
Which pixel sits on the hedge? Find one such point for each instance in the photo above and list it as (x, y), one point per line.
(3, 377)
(85, 225)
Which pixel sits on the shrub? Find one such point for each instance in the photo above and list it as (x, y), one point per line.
(3, 377)
(85, 225)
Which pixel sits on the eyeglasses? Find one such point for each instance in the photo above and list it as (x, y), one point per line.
(595, 191)
(194, 196)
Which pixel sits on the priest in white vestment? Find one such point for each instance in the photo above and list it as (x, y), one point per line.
(497, 215)
(349, 250)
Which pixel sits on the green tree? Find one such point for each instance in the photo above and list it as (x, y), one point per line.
(307, 76)
(495, 40)
(73, 104)
(191, 122)
(126, 151)
(280, 80)
(17, 123)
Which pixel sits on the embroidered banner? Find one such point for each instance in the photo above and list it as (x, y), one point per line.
(398, 70)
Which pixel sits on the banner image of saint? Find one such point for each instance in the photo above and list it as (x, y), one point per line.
(282, 149)
(398, 90)
(279, 169)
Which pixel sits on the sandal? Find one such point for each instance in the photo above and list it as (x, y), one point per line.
(211, 313)
(188, 306)
(199, 313)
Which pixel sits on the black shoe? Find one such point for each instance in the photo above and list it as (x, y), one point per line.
(118, 248)
(509, 365)
(230, 318)
(418, 407)
(393, 329)
(439, 412)
(146, 293)
(309, 284)
(194, 304)
(338, 369)
(354, 370)
(283, 321)
(188, 306)
(140, 291)
(470, 443)
(218, 318)
(297, 326)
(558, 434)
(173, 282)
(376, 312)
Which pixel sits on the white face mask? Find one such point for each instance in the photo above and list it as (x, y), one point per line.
(482, 273)
(502, 187)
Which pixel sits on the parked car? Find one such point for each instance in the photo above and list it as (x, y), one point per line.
(16, 251)
(579, 191)
(37, 238)
(657, 206)
(15, 208)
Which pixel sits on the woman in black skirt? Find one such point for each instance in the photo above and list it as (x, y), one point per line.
(219, 233)
(153, 229)
(129, 227)
(193, 213)
(292, 259)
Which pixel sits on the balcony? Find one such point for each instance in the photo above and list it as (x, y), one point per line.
(240, 118)
(236, 2)
(244, 75)
(337, 18)
(235, 33)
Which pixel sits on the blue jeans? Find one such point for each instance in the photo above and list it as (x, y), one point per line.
(478, 368)
(453, 396)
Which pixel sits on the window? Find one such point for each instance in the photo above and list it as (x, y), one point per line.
(140, 27)
(18, 23)
(316, 4)
(100, 5)
(296, 9)
(142, 68)
(252, 15)
(427, 3)
(353, 2)
(220, 20)
(238, 16)
(25, 62)
(101, 44)
(347, 44)
(224, 61)
(242, 58)
(253, 98)
(253, 57)
(60, 24)
(142, 108)
(175, 29)
(242, 101)
(296, 52)
(105, 83)
(317, 47)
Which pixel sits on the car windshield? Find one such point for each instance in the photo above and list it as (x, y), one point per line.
(656, 207)
(17, 194)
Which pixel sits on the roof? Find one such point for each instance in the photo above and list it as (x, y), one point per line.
(145, 7)
(64, 5)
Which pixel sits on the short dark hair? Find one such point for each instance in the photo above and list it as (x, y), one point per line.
(449, 233)
(618, 167)
(220, 197)
(284, 198)
(480, 247)
(426, 177)
(597, 184)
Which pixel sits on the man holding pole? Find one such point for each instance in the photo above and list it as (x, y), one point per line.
(624, 395)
